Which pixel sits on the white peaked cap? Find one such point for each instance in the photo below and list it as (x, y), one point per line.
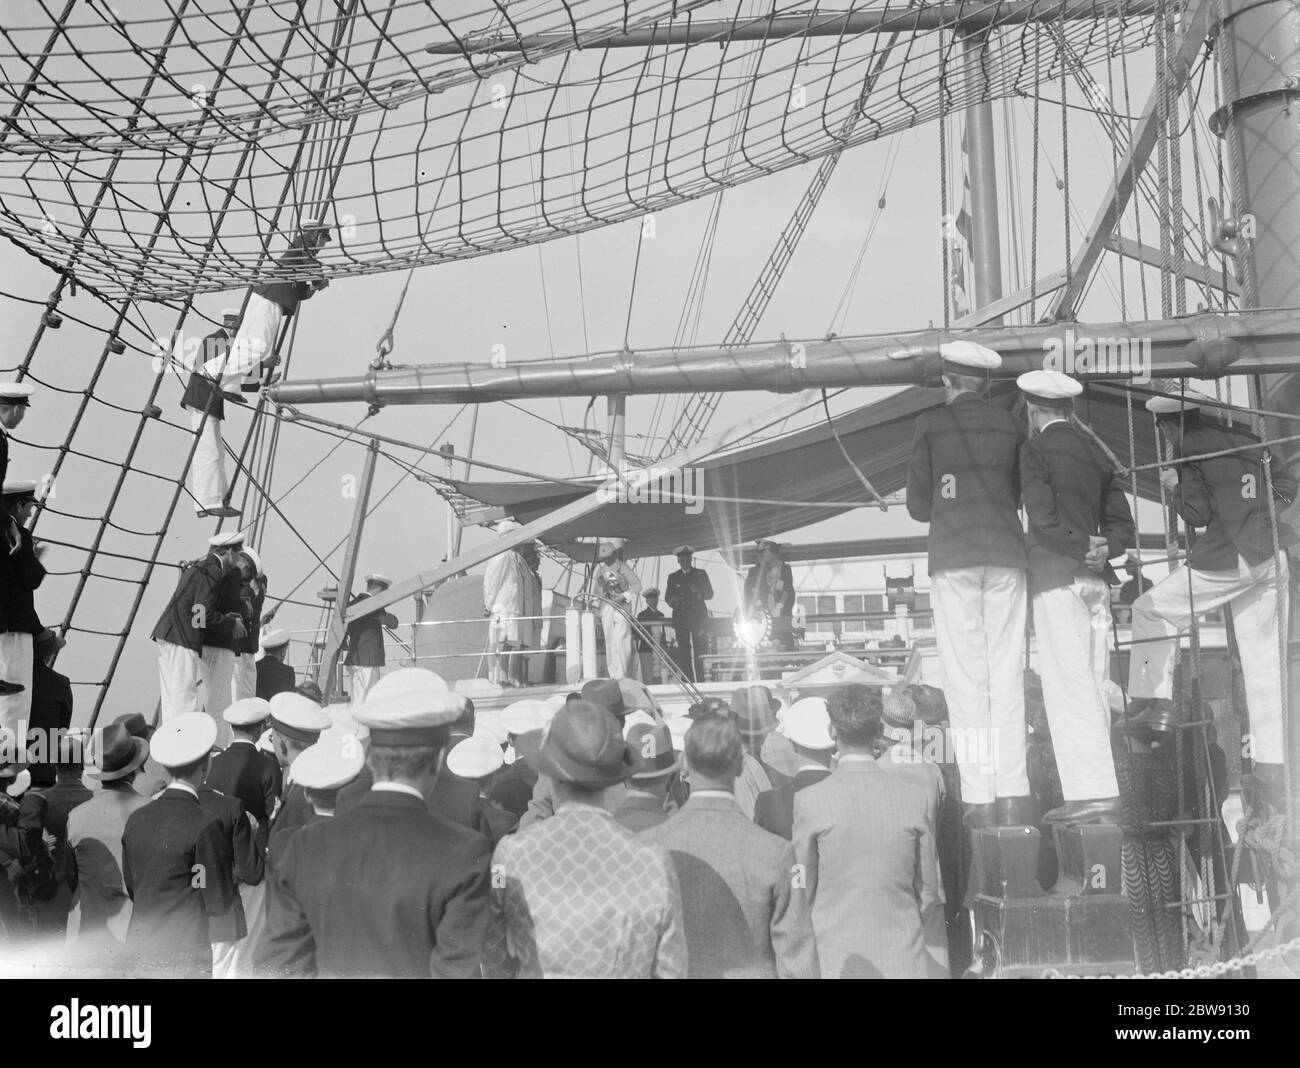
(1049, 385)
(970, 355)
(807, 724)
(475, 758)
(183, 739)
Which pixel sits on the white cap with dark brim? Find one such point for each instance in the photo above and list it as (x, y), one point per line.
(298, 718)
(334, 760)
(963, 357)
(475, 758)
(379, 580)
(247, 711)
(1172, 405)
(807, 724)
(183, 740)
(412, 707)
(230, 539)
(274, 639)
(20, 487)
(252, 555)
(19, 393)
(684, 549)
(527, 715)
(1052, 387)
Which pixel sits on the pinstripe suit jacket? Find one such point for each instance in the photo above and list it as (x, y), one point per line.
(866, 840)
(743, 920)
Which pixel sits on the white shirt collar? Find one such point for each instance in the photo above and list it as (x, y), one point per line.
(714, 793)
(178, 785)
(1053, 422)
(811, 767)
(856, 758)
(398, 788)
(243, 741)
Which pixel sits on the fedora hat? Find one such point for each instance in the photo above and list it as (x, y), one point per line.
(136, 725)
(652, 746)
(115, 753)
(755, 709)
(583, 746)
(606, 694)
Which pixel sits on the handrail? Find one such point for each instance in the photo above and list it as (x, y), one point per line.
(679, 676)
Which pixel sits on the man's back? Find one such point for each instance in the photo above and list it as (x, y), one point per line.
(273, 677)
(1227, 495)
(579, 897)
(964, 480)
(245, 772)
(177, 867)
(865, 839)
(774, 809)
(1070, 493)
(385, 889)
(95, 856)
(246, 858)
(741, 872)
(640, 811)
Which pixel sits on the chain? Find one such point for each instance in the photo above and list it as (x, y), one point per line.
(1216, 970)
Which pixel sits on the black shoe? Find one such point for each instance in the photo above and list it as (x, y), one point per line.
(8, 689)
(975, 816)
(1150, 716)
(1017, 811)
(222, 511)
(1102, 810)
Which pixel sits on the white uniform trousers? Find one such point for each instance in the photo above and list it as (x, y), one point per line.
(979, 627)
(254, 341)
(217, 685)
(234, 960)
(1072, 624)
(1259, 599)
(16, 652)
(244, 681)
(179, 676)
(618, 643)
(360, 679)
(208, 481)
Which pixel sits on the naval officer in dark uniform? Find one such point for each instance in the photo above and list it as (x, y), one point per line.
(964, 480)
(365, 637)
(273, 674)
(687, 593)
(242, 770)
(1231, 563)
(296, 723)
(385, 888)
(1079, 519)
(176, 859)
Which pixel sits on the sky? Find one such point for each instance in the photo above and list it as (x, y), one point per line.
(528, 300)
